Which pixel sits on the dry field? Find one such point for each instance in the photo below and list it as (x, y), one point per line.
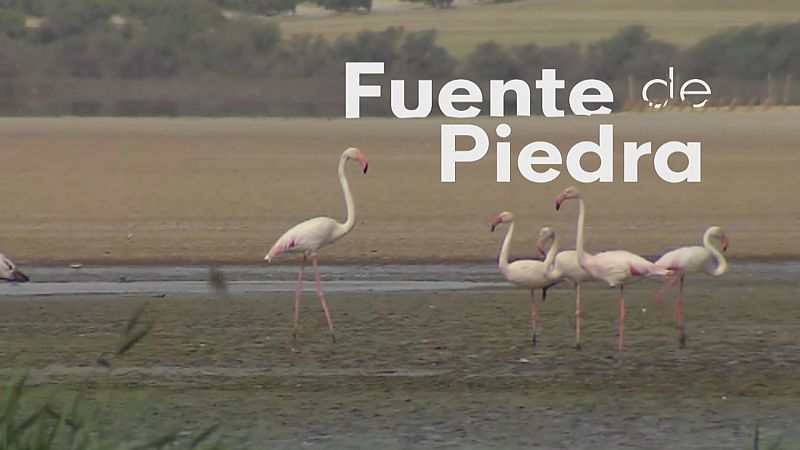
(202, 190)
(546, 22)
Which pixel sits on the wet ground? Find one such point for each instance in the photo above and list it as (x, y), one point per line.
(446, 363)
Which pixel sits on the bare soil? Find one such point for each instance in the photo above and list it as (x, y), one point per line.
(201, 190)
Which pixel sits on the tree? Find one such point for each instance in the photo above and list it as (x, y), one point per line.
(630, 51)
(344, 5)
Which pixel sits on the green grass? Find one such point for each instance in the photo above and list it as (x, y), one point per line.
(548, 22)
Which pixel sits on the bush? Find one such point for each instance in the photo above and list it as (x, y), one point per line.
(489, 60)
(630, 51)
(264, 7)
(344, 5)
(422, 58)
(747, 53)
(531, 59)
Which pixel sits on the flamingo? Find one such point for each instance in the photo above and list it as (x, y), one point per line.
(566, 266)
(616, 267)
(311, 235)
(693, 259)
(527, 273)
(9, 271)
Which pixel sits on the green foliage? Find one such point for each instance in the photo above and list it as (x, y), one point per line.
(631, 51)
(263, 7)
(747, 53)
(421, 57)
(185, 38)
(344, 5)
(490, 60)
(12, 24)
(35, 425)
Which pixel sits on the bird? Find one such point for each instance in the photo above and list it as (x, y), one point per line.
(566, 267)
(9, 271)
(526, 273)
(311, 235)
(688, 260)
(617, 268)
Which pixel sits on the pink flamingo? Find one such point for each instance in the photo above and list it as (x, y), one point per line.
(616, 267)
(9, 271)
(693, 259)
(309, 236)
(527, 273)
(566, 266)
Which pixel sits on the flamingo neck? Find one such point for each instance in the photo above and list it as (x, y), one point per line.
(549, 259)
(722, 263)
(581, 254)
(503, 261)
(348, 225)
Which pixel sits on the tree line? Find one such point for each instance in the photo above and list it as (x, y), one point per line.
(134, 39)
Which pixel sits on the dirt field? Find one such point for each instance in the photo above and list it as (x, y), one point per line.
(424, 370)
(199, 190)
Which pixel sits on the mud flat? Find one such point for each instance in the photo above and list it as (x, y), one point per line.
(428, 369)
(146, 191)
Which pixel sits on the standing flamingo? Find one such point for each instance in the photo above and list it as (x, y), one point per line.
(689, 260)
(616, 267)
(9, 271)
(309, 236)
(527, 273)
(566, 266)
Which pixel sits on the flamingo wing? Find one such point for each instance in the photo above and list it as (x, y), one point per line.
(621, 267)
(528, 274)
(567, 266)
(306, 237)
(685, 260)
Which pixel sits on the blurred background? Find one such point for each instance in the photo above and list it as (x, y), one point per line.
(286, 57)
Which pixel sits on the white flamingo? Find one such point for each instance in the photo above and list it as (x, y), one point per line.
(527, 273)
(693, 259)
(309, 236)
(566, 266)
(616, 267)
(10, 272)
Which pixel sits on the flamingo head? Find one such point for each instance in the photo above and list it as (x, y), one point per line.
(716, 232)
(568, 193)
(356, 155)
(546, 235)
(9, 272)
(503, 217)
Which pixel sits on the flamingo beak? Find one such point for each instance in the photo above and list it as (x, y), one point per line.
(559, 200)
(725, 242)
(19, 277)
(497, 220)
(364, 164)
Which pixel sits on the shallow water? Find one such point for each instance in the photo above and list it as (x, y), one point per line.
(336, 278)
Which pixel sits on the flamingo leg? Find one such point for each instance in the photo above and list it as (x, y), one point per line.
(534, 316)
(621, 325)
(322, 297)
(297, 292)
(660, 295)
(679, 316)
(578, 316)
